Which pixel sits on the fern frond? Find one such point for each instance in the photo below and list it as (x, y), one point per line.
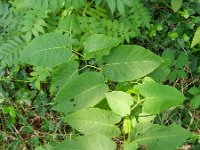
(10, 51)
(138, 14)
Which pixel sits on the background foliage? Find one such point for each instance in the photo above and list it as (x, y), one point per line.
(117, 74)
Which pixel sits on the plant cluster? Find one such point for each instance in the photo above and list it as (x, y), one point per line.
(106, 74)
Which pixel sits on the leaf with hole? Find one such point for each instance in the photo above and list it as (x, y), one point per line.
(83, 91)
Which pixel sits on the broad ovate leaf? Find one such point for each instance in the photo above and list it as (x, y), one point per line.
(89, 142)
(196, 38)
(176, 4)
(94, 120)
(159, 97)
(157, 137)
(98, 45)
(80, 92)
(63, 74)
(129, 62)
(48, 50)
(120, 102)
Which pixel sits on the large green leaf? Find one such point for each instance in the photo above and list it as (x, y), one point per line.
(89, 142)
(47, 50)
(82, 91)
(157, 137)
(127, 62)
(98, 45)
(94, 120)
(120, 102)
(63, 74)
(159, 97)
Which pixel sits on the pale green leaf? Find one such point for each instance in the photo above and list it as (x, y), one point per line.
(127, 62)
(127, 125)
(89, 142)
(176, 5)
(157, 137)
(82, 91)
(120, 102)
(130, 146)
(98, 45)
(196, 38)
(159, 97)
(47, 50)
(94, 120)
(63, 74)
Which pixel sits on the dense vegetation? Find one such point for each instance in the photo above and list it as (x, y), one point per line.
(99, 74)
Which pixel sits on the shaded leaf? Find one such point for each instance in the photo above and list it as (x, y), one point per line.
(63, 74)
(98, 45)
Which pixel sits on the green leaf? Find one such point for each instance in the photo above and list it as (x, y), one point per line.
(130, 146)
(70, 24)
(120, 102)
(94, 120)
(182, 60)
(159, 97)
(112, 5)
(127, 62)
(195, 102)
(196, 38)
(98, 45)
(47, 50)
(120, 7)
(63, 74)
(157, 137)
(194, 90)
(80, 92)
(89, 142)
(176, 4)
